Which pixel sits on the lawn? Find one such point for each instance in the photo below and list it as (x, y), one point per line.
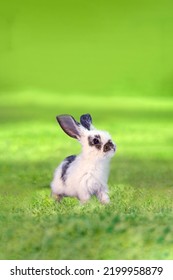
(137, 224)
(112, 59)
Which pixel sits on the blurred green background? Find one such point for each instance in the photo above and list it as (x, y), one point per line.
(119, 47)
(113, 59)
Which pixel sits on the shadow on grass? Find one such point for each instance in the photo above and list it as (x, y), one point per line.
(142, 172)
(21, 176)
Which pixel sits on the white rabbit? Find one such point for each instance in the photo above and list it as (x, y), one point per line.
(86, 174)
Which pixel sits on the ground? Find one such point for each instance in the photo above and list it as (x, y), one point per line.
(137, 224)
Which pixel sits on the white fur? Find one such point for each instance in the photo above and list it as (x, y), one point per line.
(88, 174)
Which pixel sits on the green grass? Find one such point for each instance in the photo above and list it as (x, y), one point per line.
(137, 224)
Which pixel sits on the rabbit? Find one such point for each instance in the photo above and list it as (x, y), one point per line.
(86, 174)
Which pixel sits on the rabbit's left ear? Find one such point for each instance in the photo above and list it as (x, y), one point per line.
(69, 125)
(86, 121)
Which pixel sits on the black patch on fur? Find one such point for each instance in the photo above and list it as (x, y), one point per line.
(67, 162)
(108, 146)
(86, 121)
(95, 141)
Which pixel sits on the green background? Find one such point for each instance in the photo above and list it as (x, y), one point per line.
(113, 59)
(95, 46)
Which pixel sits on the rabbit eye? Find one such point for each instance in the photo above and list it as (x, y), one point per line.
(96, 141)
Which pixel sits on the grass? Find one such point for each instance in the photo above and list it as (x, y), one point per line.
(138, 222)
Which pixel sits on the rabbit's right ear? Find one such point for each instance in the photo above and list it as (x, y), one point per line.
(86, 121)
(69, 125)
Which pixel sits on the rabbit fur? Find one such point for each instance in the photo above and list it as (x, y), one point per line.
(86, 174)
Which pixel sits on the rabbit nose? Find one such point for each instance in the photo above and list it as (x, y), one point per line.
(114, 147)
(109, 146)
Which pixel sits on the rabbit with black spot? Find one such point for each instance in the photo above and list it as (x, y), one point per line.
(86, 174)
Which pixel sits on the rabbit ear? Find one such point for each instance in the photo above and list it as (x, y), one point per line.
(69, 125)
(86, 121)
